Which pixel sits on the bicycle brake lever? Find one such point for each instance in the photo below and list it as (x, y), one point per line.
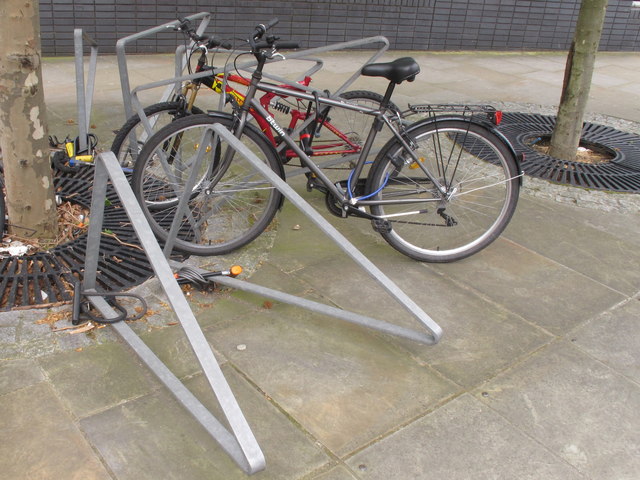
(276, 54)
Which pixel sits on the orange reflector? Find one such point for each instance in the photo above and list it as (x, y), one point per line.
(235, 270)
(414, 165)
(196, 146)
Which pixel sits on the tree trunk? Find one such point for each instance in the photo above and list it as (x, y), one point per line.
(577, 80)
(23, 134)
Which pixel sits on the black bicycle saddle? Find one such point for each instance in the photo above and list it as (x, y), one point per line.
(405, 68)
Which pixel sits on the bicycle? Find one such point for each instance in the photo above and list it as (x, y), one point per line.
(344, 132)
(440, 190)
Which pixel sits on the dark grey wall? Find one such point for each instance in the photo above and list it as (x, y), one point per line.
(409, 24)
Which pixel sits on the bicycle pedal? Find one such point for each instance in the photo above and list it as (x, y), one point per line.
(381, 225)
(314, 184)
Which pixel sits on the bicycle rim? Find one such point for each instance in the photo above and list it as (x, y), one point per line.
(230, 203)
(480, 177)
(132, 136)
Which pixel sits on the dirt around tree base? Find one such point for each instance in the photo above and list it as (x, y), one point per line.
(73, 221)
(588, 152)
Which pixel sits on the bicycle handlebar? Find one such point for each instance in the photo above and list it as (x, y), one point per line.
(186, 28)
(271, 42)
(277, 44)
(261, 29)
(258, 32)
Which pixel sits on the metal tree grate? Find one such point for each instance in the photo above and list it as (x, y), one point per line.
(620, 174)
(47, 277)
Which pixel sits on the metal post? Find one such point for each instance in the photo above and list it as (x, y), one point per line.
(123, 68)
(343, 243)
(240, 442)
(84, 95)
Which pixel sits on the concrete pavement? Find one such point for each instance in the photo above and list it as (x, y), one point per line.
(537, 375)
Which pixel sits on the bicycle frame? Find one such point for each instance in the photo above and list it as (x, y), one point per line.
(381, 118)
(221, 81)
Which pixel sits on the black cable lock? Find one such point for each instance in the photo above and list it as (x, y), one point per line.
(80, 308)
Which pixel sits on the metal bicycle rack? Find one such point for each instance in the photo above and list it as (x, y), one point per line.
(238, 441)
(84, 93)
(173, 85)
(123, 68)
(435, 332)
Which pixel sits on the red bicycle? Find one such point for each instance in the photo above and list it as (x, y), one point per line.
(341, 134)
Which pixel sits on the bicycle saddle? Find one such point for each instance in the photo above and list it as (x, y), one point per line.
(398, 71)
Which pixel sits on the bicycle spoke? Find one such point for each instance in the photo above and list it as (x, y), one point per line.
(480, 179)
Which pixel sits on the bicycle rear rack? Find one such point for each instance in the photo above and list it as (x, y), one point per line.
(468, 111)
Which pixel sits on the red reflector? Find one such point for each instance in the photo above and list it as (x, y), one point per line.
(497, 117)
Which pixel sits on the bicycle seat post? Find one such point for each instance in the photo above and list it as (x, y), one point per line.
(396, 72)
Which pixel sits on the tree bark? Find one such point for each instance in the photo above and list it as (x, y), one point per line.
(577, 80)
(23, 134)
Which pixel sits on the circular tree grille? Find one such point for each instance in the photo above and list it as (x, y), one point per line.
(48, 277)
(620, 174)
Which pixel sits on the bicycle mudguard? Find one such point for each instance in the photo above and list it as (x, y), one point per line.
(481, 122)
(250, 126)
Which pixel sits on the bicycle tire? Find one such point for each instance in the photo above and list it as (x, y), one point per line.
(230, 206)
(482, 180)
(159, 115)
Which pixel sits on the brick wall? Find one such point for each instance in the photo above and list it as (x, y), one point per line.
(409, 24)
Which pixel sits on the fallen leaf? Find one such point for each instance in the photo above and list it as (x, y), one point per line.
(85, 328)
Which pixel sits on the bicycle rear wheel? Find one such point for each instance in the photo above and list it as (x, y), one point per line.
(481, 178)
(230, 202)
(132, 135)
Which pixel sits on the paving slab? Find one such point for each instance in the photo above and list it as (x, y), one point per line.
(337, 473)
(602, 246)
(613, 338)
(172, 347)
(154, 437)
(300, 242)
(19, 373)
(98, 377)
(480, 338)
(579, 408)
(39, 439)
(540, 290)
(461, 440)
(344, 385)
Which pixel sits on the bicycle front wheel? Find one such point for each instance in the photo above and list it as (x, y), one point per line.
(132, 135)
(229, 202)
(479, 175)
